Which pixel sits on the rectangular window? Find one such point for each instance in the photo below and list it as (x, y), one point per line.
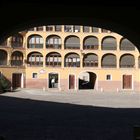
(39, 28)
(76, 28)
(58, 28)
(49, 28)
(108, 77)
(34, 75)
(68, 28)
(95, 29)
(86, 29)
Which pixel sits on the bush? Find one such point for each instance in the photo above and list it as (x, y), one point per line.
(5, 84)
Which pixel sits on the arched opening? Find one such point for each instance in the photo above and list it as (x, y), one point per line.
(35, 59)
(17, 59)
(126, 45)
(35, 41)
(109, 43)
(91, 42)
(90, 60)
(17, 41)
(3, 57)
(127, 61)
(53, 42)
(72, 60)
(87, 80)
(53, 59)
(109, 61)
(72, 42)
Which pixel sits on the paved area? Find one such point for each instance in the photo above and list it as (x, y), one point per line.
(91, 98)
(41, 115)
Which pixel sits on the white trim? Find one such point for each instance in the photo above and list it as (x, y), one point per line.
(59, 88)
(131, 81)
(96, 82)
(75, 87)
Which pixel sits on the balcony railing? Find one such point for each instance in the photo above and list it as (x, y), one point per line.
(90, 47)
(72, 64)
(16, 62)
(90, 64)
(36, 64)
(53, 46)
(127, 66)
(105, 47)
(16, 45)
(109, 66)
(126, 48)
(72, 46)
(35, 45)
(53, 64)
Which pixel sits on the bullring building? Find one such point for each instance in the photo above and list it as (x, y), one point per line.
(70, 57)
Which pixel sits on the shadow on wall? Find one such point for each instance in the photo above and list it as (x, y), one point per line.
(25, 119)
(5, 84)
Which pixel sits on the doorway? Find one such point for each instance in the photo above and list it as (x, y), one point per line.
(87, 80)
(127, 81)
(16, 80)
(71, 81)
(53, 80)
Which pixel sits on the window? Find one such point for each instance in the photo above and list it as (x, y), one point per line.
(35, 59)
(95, 29)
(34, 75)
(39, 28)
(58, 28)
(49, 28)
(76, 28)
(108, 77)
(68, 28)
(86, 29)
(35, 41)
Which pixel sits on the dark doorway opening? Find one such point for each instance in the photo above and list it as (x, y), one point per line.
(16, 80)
(53, 80)
(87, 80)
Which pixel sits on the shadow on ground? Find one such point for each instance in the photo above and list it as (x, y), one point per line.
(24, 119)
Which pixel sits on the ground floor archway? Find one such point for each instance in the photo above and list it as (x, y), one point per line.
(87, 80)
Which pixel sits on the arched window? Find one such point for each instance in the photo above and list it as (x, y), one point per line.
(109, 61)
(17, 59)
(53, 59)
(109, 43)
(35, 59)
(90, 60)
(91, 43)
(53, 42)
(35, 41)
(125, 44)
(3, 57)
(17, 41)
(72, 42)
(72, 60)
(127, 61)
